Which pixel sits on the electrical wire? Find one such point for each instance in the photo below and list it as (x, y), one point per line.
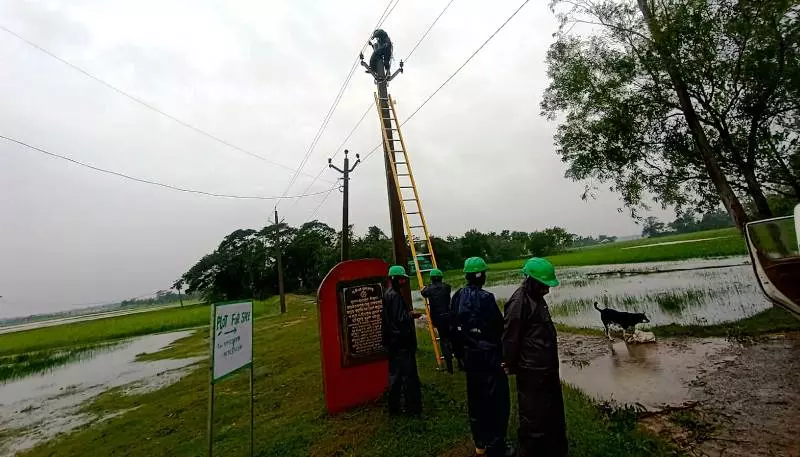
(424, 35)
(144, 103)
(316, 210)
(338, 148)
(326, 120)
(370, 105)
(155, 183)
(449, 78)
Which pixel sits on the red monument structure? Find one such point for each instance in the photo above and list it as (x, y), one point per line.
(354, 365)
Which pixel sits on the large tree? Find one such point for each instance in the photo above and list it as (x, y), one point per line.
(691, 102)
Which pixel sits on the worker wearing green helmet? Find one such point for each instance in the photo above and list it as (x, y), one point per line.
(438, 295)
(477, 333)
(400, 340)
(530, 351)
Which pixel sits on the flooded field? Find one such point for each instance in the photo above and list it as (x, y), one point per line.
(36, 408)
(688, 292)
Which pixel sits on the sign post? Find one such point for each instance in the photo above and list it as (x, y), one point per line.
(231, 350)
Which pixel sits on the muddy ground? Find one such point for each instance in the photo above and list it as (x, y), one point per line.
(707, 396)
(747, 403)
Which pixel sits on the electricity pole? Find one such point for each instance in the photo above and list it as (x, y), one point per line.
(278, 249)
(400, 247)
(345, 171)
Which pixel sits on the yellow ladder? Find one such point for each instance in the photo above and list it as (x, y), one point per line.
(419, 239)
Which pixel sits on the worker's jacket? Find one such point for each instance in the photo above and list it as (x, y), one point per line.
(438, 295)
(476, 320)
(397, 324)
(529, 336)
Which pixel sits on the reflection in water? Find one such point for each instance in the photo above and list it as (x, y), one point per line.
(654, 375)
(689, 292)
(47, 404)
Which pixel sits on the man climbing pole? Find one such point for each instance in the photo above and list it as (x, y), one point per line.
(400, 340)
(530, 351)
(438, 295)
(477, 335)
(381, 51)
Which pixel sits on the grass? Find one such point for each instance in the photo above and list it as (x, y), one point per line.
(728, 243)
(772, 320)
(290, 420)
(112, 328)
(21, 365)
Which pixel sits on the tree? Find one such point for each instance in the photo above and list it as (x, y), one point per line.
(474, 244)
(652, 227)
(374, 244)
(685, 223)
(689, 101)
(178, 286)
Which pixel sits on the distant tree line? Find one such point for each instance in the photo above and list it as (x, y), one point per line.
(687, 222)
(162, 297)
(244, 263)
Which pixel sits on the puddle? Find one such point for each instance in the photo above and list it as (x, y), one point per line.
(655, 375)
(704, 292)
(44, 405)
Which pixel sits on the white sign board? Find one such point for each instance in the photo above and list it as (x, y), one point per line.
(232, 337)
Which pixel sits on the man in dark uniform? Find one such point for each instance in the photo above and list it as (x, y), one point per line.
(530, 351)
(381, 52)
(400, 340)
(478, 328)
(438, 295)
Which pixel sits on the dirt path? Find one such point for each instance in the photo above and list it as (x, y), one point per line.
(748, 403)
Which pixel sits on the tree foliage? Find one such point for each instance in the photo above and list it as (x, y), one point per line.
(244, 263)
(613, 88)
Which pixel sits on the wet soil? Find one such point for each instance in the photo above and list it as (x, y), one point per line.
(709, 397)
(747, 403)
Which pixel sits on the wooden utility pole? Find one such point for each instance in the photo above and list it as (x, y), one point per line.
(345, 171)
(278, 255)
(400, 247)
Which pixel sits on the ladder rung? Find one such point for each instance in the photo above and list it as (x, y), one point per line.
(416, 226)
(403, 174)
(406, 187)
(400, 163)
(425, 254)
(409, 199)
(413, 212)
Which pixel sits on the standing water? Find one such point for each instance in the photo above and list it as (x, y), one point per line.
(36, 408)
(688, 292)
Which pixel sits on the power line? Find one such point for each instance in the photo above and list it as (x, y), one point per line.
(449, 78)
(144, 103)
(424, 35)
(154, 183)
(316, 210)
(385, 15)
(369, 106)
(338, 148)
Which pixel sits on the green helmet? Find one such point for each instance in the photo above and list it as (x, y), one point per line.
(436, 273)
(475, 265)
(397, 270)
(541, 270)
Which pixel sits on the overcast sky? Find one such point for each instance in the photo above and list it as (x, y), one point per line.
(260, 75)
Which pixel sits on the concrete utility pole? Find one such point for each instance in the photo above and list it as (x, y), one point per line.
(345, 171)
(278, 255)
(400, 247)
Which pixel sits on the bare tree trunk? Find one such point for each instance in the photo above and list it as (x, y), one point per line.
(756, 192)
(728, 197)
